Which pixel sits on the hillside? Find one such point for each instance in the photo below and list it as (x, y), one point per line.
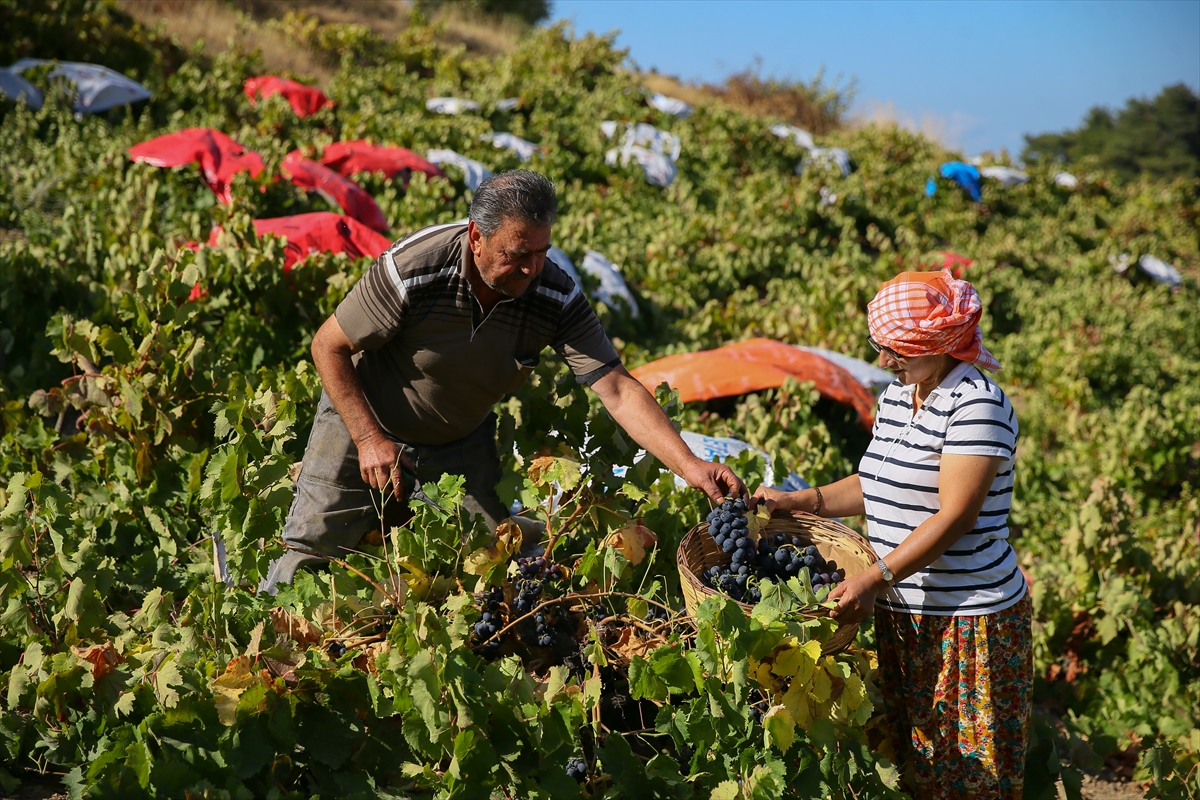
(154, 395)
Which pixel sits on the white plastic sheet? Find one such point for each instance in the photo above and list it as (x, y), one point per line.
(712, 449)
(475, 172)
(1160, 270)
(450, 105)
(655, 150)
(97, 88)
(825, 158)
(508, 103)
(793, 483)
(1156, 268)
(1005, 176)
(612, 284)
(522, 147)
(798, 135)
(19, 90)
(670, 105)
(564, 263)
(1066, 179)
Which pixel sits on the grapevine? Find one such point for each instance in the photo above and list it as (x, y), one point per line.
(145, 429)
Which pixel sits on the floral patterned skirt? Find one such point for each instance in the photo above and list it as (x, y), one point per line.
(957, 693)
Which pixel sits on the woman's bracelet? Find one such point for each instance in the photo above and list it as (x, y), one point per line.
(820, 501)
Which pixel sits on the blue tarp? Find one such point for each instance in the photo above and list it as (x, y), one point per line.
(965, 175)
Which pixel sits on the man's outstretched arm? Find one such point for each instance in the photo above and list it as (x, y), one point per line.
(378, 455)
(636, 410)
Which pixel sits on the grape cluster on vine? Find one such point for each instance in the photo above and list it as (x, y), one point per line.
(774, 557)
(657, 614)
(754, 700)
(577, 769)
(528, 584)
(543, 629)
(490, 621)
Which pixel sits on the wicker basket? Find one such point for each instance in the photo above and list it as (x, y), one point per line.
(698, 552)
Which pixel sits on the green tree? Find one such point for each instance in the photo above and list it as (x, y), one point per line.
(1159, 138)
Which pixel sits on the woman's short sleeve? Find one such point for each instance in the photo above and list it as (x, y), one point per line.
(982, 423)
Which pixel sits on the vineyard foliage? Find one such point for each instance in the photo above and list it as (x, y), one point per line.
(139, 421)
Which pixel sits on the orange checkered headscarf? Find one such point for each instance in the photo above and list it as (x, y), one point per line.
(927, 314)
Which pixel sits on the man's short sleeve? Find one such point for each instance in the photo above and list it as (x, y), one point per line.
(374, 310)
(582, 342)
(982, 423)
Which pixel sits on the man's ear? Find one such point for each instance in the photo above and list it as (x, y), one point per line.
(474, 235)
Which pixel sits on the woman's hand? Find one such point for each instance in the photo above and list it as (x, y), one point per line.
(856, 595)
(773, 498)
(803, 500)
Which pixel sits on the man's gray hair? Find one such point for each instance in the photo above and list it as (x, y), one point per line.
(518, 194)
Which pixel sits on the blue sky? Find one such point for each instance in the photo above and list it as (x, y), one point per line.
(976, 74)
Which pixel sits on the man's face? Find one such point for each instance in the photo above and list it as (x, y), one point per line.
(509, 259)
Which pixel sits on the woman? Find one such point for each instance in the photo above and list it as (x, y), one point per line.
(953, 617)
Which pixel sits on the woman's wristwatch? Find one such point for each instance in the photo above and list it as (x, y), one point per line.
(889, 577)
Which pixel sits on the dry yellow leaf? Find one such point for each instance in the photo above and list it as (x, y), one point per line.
(633, 541)
(103, 657)
(509, 536)
(297, 628)
(228, 687)
(483, 559)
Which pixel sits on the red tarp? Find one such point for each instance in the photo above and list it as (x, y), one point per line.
(351, 157)
(344, 192)
(219, 157)
(955, 263)
(305, 100)
(752, 366)
(318, 232)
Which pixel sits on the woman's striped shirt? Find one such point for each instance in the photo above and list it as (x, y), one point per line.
(967, 414)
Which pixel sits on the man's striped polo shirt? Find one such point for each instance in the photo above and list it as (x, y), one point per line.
(432, 366)
(967, 414)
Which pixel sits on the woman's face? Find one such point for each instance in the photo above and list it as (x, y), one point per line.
(913, 369)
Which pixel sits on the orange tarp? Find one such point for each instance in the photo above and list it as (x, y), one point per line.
(752, 366)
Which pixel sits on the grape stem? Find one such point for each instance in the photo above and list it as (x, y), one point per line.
(563, 599)
(345, 565)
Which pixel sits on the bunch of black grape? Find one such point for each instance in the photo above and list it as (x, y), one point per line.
(543, 630)
(657, 614)
(728, 526)
(790, 555)
(529, 587)
(754, 699)
(531, 572)
(490, 621)
(577, 769)
(775, 558)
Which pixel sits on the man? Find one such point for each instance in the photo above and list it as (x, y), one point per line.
(440, 328)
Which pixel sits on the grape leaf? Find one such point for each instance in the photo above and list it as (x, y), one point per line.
(779, 729)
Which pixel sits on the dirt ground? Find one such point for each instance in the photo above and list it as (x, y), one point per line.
(1097, 788)
(37, 787)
